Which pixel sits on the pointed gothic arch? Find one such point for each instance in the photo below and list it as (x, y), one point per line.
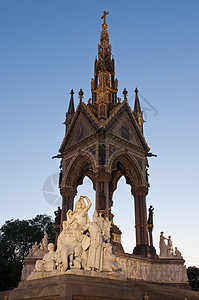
(82, 164)
(124, 164)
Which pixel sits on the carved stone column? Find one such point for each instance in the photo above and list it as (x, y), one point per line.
(142, 243)
(150, 229)
(102, 196)
(102, 192)
(102, 205)
(141, 222)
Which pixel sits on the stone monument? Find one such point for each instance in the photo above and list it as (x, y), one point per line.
(82, 245)
(36, 252)
(104, 140)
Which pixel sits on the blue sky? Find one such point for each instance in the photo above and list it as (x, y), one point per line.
(47, 48)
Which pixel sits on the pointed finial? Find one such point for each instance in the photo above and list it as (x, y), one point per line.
(104, 25)
(125, 94)
(81, 94)
(136, 91)
(71, 108)
(137, 108)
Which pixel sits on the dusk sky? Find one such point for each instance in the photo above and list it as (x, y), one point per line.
(48, 48)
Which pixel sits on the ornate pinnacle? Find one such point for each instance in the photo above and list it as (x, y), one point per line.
(81, 93)
(125, 94)
(137, 110)
(136, 91)
(104, 25)
(71, 108)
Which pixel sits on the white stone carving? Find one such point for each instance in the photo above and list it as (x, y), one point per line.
(43, 246)
(109, 259)
(37, 252)
(162, 245)
(169, 247)
(79, 217)
(167, 251)
(48, 263)
(82, 245)
(164, 272)
(33, 250)
(41, 249)
(95, 251)
(178, 253)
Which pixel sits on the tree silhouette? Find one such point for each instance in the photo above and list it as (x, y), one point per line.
(193, 276)
(16, 239)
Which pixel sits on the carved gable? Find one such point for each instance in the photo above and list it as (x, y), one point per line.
(125, 129)
(80, 130)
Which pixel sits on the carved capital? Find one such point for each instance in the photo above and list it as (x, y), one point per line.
(68, 191)
(102, 176)
(139, 191)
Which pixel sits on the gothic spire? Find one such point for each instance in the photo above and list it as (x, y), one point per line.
(71, 107)
(137, 111)
(71, 110)
(104, 85)
(104, 49)
(137, 108)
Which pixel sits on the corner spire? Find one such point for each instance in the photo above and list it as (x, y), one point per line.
(71, 107)
(137, 110)
(71, 110)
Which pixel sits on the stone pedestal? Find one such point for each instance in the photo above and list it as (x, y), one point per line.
(29, 265)
(116, 239)
(75, 287)
(145, 250)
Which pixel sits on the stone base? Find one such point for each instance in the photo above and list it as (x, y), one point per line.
(104, 275)
(156, 270)
(75, 287)
(116, 239)
(145, 250)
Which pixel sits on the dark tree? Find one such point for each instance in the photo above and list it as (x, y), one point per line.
(193, 277)
(16, 239)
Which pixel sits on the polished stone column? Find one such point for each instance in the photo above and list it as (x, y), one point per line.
(102, 196)
(150, 229)
(142, 243)
(141, 220)
(137, 221)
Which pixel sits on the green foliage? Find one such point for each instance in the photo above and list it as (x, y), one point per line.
(16, 239)
(193, 276)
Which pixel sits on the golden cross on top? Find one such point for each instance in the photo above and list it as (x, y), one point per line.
(104, 16)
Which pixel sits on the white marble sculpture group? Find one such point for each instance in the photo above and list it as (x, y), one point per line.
(41, 249)
(81, 244)
(166, 250)
(84, 247)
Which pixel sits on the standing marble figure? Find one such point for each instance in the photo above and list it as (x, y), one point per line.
(95, 252)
